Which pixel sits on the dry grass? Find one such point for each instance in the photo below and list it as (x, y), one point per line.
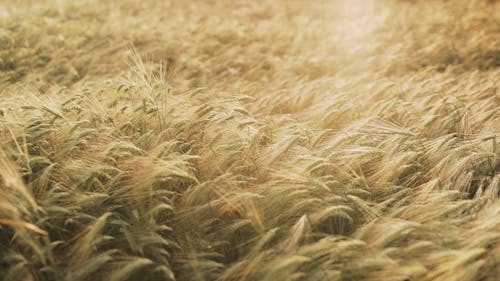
(237, 140)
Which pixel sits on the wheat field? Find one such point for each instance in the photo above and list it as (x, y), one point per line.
(249, 140)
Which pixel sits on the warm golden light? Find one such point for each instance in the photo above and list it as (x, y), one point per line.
(233, 140)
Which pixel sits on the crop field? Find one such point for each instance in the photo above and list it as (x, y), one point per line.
(228, 140)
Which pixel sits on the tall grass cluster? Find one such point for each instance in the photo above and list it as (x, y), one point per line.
(249, 140)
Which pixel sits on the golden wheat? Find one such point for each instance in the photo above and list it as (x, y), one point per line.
(229, 140)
